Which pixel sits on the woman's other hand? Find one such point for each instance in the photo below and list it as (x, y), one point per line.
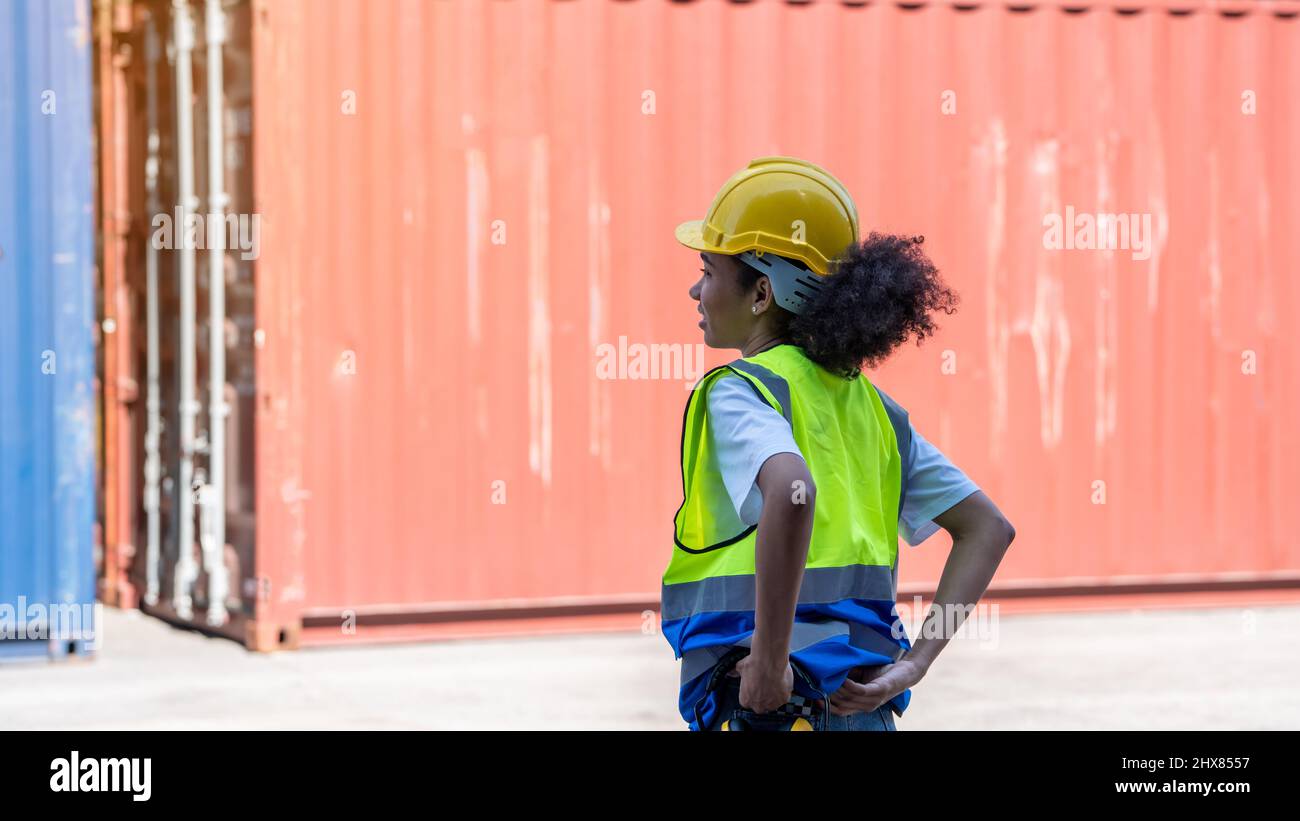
(764, 685)
(878, 685)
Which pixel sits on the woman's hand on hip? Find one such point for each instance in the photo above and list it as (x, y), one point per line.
(879, 685)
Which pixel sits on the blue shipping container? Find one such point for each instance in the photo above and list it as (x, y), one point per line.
(47, 311)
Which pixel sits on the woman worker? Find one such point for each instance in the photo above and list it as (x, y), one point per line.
(798, 474)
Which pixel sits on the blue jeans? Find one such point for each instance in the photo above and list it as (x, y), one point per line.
(880, 719)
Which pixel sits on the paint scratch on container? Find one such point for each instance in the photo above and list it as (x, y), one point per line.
(79, 32)
(1105, 317)
(1213, 264)
(476, 199)
(597, 317)
(1159, 206)
(295, 498)
(1050, 333)
(291, 493)
(539, 312)
(1049, 328)
(991, 156)
(75, 417)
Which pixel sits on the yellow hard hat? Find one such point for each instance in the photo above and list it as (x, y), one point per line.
(783, 205)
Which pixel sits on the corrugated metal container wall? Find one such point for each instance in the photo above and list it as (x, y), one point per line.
(47, 414)
(463, 201)
(120, 491)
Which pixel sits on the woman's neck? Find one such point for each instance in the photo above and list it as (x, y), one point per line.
(762, 342)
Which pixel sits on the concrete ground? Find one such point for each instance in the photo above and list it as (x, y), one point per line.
(1137, 669)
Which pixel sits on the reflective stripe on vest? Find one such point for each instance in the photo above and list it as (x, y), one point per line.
(821, 585)
(804, 634)
(775, 385)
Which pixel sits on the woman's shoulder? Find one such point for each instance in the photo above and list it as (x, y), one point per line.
(735, 403)
(732, 389)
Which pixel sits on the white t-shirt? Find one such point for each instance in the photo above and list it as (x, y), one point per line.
(747, 431)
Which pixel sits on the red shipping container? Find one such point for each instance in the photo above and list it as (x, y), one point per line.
(462, 203)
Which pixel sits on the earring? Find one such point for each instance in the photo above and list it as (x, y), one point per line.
(753, 309)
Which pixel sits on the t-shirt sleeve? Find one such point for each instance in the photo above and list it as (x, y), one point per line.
(934, 484)
(746, 432)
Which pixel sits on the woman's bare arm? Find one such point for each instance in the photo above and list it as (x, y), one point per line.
(980, 538)
(780, 553)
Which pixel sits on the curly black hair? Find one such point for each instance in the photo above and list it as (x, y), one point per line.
(879, 293)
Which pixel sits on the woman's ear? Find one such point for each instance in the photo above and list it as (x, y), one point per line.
(765, 295)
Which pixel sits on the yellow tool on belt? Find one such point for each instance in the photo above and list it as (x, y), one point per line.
(791, 723)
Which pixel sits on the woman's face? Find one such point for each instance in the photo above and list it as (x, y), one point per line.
(728, 319)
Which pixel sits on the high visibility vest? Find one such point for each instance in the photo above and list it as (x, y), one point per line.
(855, 441)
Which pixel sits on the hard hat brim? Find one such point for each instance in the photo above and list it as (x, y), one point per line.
(691, 234)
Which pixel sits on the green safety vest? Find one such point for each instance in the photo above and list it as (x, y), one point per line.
(853, 438)
(846, 437)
